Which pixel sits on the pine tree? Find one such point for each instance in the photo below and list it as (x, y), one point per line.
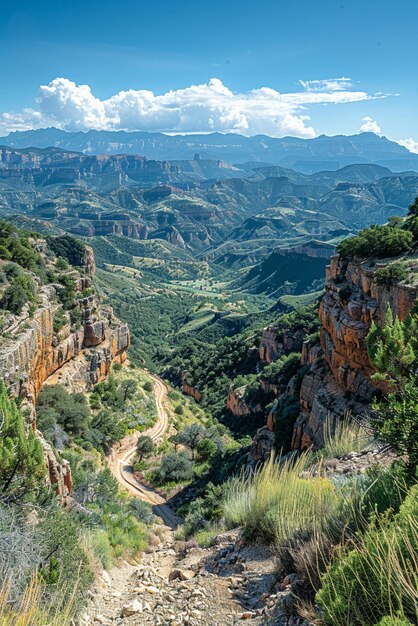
(21, 458)
(393, 352)
(393, 348)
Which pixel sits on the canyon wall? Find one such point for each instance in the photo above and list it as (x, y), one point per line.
(339, 378)
(337, 373)
(32, 354)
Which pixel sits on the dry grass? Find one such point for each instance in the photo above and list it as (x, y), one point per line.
(347, 435)
(277, 501)
(29, 610)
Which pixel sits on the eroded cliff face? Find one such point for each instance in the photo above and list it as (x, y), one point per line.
(238, 405)
(339, 378)
(190, 390)
(275, 344)
(32, 354)
(337, 373)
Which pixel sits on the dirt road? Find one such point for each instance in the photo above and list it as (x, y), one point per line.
(122, 455)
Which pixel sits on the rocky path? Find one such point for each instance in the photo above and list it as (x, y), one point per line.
(121, 456)
(180, 584)
(177, 583)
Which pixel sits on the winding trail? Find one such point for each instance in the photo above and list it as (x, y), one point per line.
(121, 455)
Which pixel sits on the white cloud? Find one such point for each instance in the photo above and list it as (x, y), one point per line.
(370, 125)
(327, 84)
(410, 144)
(198, 108)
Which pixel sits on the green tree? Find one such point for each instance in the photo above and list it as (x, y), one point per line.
(206, 449)
(71, 411)
(395, 420)
(393, 348)
(191, 436)
(393, 352)
(144, 446)
(175, 467)
(21, 457)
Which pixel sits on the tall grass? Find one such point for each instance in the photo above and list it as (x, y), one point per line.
(379, 576)
(347, 435)
(33, 609)
(277, 501)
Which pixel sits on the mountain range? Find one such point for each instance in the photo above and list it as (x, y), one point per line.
(308, 155)
(261, 221)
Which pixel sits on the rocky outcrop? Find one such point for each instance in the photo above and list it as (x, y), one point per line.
(275, 343)
(340, 375)
(190, 390)
(35, 353)
(58, 473)
(261, 446)
(237, 404)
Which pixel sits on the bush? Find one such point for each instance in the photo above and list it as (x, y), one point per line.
(206, 449)
(377, 241)
(60, 319)
(56, 406)
(61, 264)
(14, 299)
(67, 247)
(175, 467)
(283, 369)
(144, 446)
(391, 274)
(389, 620)
(378, 577)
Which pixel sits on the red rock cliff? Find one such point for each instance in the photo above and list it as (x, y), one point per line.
(339, 378)
(33, 355)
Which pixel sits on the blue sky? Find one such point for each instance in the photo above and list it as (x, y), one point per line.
(175, 44)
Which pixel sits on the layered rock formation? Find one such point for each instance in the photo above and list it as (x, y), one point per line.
(337, 375)
(33, 354)
(237, 404)
(275, 343)
(190, 390)
(339, 378)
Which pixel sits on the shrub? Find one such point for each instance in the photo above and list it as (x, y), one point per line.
(61, 264)
(144, 446)
(284, 368)
(175, 467)
(391, 274)
(394, 620)
(377, 241)
(147, 386)
(379, 576)
(14, 299)
(206, 449)
(68, 247)
(76, 317)
(71, 411)
(60, 319)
